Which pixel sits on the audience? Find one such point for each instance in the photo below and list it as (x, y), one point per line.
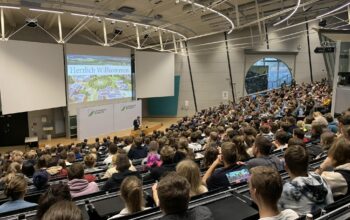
(305, 192)
(228, 134)
(265, 186)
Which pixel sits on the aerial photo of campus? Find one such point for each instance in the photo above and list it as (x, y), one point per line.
(90, 78)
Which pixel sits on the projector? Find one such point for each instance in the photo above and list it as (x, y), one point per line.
(32, 22)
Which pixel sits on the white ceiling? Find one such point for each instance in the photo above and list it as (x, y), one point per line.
(178, 16)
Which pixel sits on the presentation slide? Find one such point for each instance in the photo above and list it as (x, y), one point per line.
(96, 78)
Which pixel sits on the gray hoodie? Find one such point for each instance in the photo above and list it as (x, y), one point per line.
(305, 194)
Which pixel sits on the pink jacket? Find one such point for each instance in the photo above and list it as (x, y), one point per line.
(80, 187)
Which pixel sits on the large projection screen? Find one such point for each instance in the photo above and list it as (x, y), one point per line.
(154, 74)
(97, 76)
(31, 76)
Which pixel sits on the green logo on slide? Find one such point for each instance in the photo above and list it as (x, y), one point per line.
(97, 112)
(128, 107)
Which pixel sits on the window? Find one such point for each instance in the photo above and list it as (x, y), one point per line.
(268, 73)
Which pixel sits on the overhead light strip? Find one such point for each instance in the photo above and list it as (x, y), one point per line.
(44, 10)
(290, 15)
(9, 7)
(213, 11)
(334, 10)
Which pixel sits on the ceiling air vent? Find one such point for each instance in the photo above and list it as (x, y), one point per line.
(126, 9)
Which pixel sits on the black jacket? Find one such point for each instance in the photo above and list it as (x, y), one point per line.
(158, 172)
(197, 213)
(114, 182)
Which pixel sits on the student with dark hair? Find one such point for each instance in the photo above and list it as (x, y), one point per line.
(112, 150)
(261, 150)
(167, 157)
(28, 169)
(173, 193)
(338, 159)
(79, 186)
(63, 210)
(54, 194)
(137, 150)
(327, 140)
(210, 155)
(265, 186)
(216, 178)
(15, 189)
(122, 166)
(305, 192)
(239, 143)
(298, 133)
(281, 139)
(132, 195)
(332, 125)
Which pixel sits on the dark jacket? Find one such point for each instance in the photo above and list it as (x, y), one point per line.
(158, 172)
(271, 160)
(219, 179)
(197, 213)
(137, 153)
(116, 180)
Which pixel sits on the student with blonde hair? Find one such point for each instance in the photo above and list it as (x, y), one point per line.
(132, 195)
(15, 189)
(190, 170)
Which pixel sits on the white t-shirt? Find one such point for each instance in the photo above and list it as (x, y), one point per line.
(286, 214)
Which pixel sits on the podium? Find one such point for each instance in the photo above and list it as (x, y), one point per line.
(31, 141)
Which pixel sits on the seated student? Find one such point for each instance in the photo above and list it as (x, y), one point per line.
(132, 195)
(137, 150)
(190, 170)
(64, 209)
(327, 140)
(242, 154)
(332, 125)
(122, 166)
(305, 192)
(113, 169)
(55, 193)
(265, 186)
(15, 189)
(173, 194)
(166, 155)
(183, 151)
(210, 155)
(338, 159)
(282, 139)
(216, 178)
(79, 186)
(112, 150)
(153, 148)
(261, 150)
